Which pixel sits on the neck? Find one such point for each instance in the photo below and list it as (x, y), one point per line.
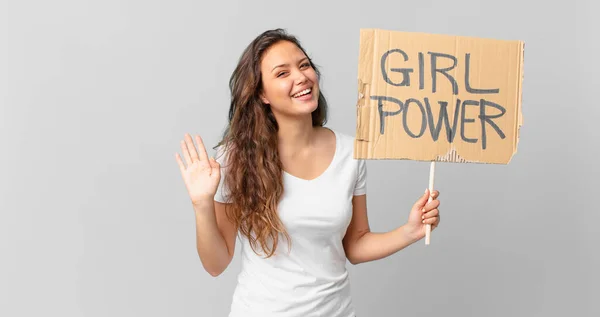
(295, 135)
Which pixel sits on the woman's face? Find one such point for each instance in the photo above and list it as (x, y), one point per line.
(290, 84)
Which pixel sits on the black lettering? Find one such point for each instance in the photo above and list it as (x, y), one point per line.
(468, 85)
(383, 114)
(421, 71)
(405, 71)
(443, 71)
(488, 118)
(464, 120)
(435, 129)
(423, 122)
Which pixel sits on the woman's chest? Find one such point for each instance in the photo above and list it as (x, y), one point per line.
(316, 208)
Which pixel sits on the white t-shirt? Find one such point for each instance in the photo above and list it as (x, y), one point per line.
(310, 280)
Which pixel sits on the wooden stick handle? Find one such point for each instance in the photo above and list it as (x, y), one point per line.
(431, 178)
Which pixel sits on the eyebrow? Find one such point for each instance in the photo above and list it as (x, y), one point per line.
(283, 65)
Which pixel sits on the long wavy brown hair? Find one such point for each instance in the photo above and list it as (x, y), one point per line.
(253, 176)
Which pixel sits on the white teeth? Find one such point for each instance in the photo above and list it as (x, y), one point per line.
(303, 92)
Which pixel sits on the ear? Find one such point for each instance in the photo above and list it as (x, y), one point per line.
(264, 99)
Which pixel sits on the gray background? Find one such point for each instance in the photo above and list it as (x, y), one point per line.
(95, 219)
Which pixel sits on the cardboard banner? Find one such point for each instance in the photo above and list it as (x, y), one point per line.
(443, 98)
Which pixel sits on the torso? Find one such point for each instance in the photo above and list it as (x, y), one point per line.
(310, 279)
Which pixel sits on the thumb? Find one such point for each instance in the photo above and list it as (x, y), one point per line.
(423, 199)
(214, 163)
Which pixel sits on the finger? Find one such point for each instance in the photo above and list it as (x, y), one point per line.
(191, 148)
(180, 163)
(430, 214)
(430, 221)
(201, 149)
(436, 224)
(214, 163)
(423, 200)
(215, 167)
(435, 194)
(431, 205)
(186, 153)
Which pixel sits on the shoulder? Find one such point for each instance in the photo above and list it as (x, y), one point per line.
(344, 142)
(345, 149)
(354, 168)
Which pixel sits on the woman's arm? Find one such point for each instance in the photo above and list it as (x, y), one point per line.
(215, 236)
(362, 245)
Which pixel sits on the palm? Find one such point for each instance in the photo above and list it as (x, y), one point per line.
(415, 222)
(200, 174)
(415, 219)
(199, 180)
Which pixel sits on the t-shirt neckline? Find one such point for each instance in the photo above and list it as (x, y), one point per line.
(329, 167)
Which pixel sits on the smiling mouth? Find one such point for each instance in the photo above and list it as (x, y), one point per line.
(302, 93)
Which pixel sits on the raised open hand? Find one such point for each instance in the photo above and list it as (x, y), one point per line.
(201, 174)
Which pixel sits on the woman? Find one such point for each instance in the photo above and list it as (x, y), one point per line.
(290, 188)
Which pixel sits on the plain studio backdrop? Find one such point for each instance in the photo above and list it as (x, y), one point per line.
(96, 95)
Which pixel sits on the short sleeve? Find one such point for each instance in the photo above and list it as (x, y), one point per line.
(360, 188)
(222, 192)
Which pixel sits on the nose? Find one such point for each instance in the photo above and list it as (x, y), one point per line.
(300, 78)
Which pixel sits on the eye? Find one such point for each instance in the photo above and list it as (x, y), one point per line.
(281, 73)
(305, 65)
